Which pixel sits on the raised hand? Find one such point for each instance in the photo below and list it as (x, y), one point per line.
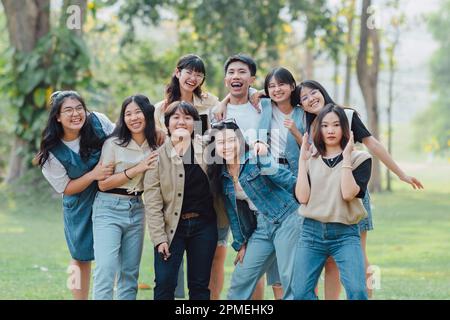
(290, 124)
(347, 153)
(306, 150)
(260, 149)
(220, 111)
(255, 99)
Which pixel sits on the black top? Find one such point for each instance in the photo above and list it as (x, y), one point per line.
(360, 173)
(197, 193)
(359, 129)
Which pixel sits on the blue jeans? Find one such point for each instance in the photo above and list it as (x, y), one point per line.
(118, 224)
(268, 241)
(316, 243)
(198, 237)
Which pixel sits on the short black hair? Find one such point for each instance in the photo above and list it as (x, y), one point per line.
(244, 59)
(185, 107)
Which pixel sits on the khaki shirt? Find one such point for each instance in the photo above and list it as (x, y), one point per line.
(124, 158)
(164, 189)
(203, 104)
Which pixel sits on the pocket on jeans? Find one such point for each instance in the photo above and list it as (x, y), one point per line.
(306, 238)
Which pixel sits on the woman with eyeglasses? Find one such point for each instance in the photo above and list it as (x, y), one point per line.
(69, 157)
(186, 85)
(261, 207)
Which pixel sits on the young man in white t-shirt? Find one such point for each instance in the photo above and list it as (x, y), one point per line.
(240, 74)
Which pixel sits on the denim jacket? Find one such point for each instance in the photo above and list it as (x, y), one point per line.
(269, 186)
(292, 150)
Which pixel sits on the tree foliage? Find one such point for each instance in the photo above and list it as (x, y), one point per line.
(433, 126)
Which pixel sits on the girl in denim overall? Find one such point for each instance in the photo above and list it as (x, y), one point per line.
(69, 156)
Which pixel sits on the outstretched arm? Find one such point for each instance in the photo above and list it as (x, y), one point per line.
(377, 149)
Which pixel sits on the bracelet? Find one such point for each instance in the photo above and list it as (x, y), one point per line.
(349, 167)
(125, 173)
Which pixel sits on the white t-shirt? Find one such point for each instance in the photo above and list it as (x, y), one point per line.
(241, 195)
(278, 132)
(247, 118)
(54, 171)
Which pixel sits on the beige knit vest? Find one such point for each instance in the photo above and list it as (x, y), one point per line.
(325, 202)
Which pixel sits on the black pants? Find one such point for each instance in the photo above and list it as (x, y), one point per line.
(199, 238)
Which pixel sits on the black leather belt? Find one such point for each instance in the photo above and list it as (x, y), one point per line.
(124, 192)
(282, 161)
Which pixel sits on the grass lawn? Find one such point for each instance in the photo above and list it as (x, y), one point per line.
(410, 243)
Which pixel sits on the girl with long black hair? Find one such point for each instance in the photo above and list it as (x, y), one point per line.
(118, 210)
(69, 156)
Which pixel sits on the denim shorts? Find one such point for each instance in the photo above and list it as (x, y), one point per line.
(223, 236)
(366, 224)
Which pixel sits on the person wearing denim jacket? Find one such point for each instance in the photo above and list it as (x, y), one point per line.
(265, 191)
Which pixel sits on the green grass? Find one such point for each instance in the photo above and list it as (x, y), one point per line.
(410, 243)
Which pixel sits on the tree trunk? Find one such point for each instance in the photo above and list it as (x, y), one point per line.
(309, 66)
(336, 80)
(27, 22)
(349, 53)
(368, 82)
(391, 97)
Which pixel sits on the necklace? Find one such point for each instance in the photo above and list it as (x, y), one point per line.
(332, 162)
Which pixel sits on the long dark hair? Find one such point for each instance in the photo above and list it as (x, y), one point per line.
(311, 84)
(285, 76)
(54, 132)
(124, 134)
(215, 162)
(318, 139)
(190, 62)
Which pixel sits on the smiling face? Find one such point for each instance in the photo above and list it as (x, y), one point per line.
(311, 100)
(189, 79)
(72, 115)
(134, 119)
(227, 145)
(280, 92)
(331, 130)
(181, 123)
(238, 79)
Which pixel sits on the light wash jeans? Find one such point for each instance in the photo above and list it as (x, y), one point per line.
(269, 241)
(118, 223)
(317, 242)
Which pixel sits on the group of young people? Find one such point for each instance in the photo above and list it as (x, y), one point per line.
(277, 167)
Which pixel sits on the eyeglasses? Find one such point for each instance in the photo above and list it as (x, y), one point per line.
(308, 95)
(220, 124)
(68, 112)
(198, 76)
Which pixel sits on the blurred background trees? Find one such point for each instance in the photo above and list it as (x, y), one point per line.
(123, 47)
